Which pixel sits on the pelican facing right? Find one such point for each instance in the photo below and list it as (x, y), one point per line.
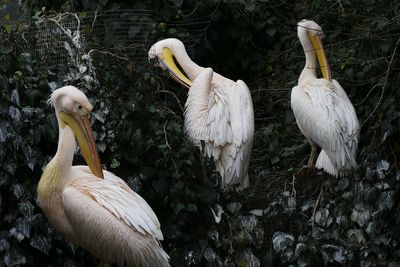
(92, 207)
(322, 109)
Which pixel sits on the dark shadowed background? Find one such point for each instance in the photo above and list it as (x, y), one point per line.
(137, 119)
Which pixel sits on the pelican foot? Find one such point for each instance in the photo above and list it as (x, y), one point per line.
(306, 171)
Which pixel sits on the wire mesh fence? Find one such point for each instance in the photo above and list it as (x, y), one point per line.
(62, 39)
(124, 34)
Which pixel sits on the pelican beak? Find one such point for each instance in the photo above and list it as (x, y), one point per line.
(80, 125)
(167, 61)
(320, 52)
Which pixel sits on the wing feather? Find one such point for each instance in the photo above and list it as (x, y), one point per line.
(326, 116)
(111, 221)
(114, 194)
(221, 115)
(232, 132)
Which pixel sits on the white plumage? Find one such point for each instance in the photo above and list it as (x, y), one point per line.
(116, 196)
(222, 117)
(326, 116)
(219, 115)
(128, 233)
(323, 111)
(91, 207)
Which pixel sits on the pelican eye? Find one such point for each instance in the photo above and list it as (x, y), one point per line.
(81, 110)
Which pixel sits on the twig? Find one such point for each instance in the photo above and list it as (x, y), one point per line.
(211, 19)
(107, 53)
(73, 38)
(366, 97)
(177, 100)
(293, 185)
(94, 20)
(315, 207)
(325, 11)
(166, 137)
(384, 84)
(340, 6)
(193, 11)
(173, 6)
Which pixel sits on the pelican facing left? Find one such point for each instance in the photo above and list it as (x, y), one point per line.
(92, 207)
(219, 117)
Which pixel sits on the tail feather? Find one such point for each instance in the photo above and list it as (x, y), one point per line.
(324, 162)
(243, 184)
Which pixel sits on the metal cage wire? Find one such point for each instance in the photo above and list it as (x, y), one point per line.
(127, 34)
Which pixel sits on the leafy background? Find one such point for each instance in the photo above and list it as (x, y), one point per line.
(137, 121)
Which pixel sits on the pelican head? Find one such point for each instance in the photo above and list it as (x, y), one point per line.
(313, 32)
(72, 110)
(162, 53)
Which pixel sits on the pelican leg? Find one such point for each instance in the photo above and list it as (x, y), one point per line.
(104, 264)
(309, 169)
(313, 156)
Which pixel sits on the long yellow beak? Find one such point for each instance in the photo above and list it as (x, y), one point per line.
(80, 125)
(320, 52)
(174, 71)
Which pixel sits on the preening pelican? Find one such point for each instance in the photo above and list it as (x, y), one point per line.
(219, 115)
(90, 207)
(322, 109)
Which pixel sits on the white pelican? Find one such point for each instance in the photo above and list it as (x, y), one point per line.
(90, 207)
(322, 109)
(218, 112)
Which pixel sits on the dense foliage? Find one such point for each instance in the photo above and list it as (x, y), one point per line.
(137, 121)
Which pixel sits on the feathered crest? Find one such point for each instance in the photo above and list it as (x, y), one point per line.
(73, 93)
(53, 97)
(50, 101)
